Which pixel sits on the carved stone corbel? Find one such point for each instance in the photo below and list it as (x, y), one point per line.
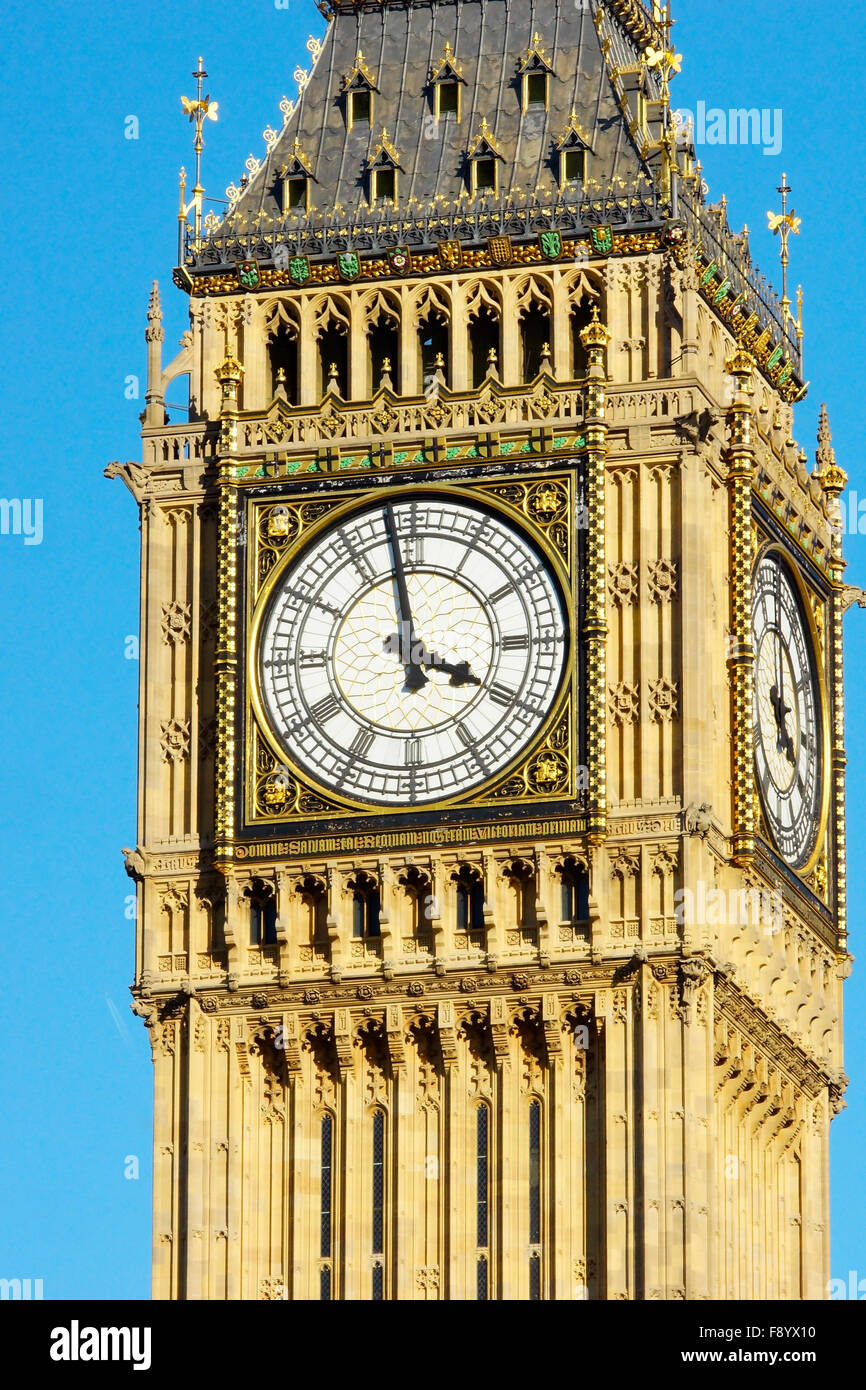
(500, 1025)
(289, 1042)
(446, 1023)
(551, 1025)
(342, 1034)
(395, 1035)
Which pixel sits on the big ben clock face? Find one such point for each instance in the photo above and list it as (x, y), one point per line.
(412, 651)
(788, 750)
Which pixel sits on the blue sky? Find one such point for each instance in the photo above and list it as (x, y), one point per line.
(87, 229)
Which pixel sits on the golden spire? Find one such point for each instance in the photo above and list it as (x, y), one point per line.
(827, 471)
(784, 223)
(198, 110)
(668, 62)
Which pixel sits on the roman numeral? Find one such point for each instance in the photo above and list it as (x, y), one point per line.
(361, 743)
(311, 659)
(325, 709)
(515, 644)
(501, 695)
(465, 737)
(412, 752)
(502, 593)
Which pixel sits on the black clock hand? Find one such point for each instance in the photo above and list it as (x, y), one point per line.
(784, 742)
(460, 672)
(415, 677)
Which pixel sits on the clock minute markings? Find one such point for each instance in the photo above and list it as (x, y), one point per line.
(362, 743)
(358, 558)
(325, 709)
(467, 738)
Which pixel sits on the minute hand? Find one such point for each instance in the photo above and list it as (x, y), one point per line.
(415, 677)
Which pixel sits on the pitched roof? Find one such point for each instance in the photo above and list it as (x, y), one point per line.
(401, 45)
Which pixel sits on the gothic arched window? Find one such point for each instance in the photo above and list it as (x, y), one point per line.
(365, 907)
(263, 913)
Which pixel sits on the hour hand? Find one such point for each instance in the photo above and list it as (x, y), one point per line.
(459, 672)
(410, 653)
(781, 711)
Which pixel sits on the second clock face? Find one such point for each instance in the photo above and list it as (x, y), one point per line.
(412, 651)
(787, 708)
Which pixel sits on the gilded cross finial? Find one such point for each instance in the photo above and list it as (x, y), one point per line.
(667, 62)
(198, 110)
(783, 224)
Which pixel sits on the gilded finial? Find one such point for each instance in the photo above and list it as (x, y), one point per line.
(668, 63)
(198, 110)
(783, 224)
(595, 334)
(831, 477)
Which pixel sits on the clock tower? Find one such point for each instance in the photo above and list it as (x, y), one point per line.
(491, 879)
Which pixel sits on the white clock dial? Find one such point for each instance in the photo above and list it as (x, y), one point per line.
(788, 759)
(412, 651)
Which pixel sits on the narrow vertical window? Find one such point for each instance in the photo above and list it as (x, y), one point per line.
(482, 1199)
(326, 1214)
(327, 1166)
(535, 1201)
(378, 1231)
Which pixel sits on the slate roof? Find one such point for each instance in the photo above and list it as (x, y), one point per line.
(402, 43)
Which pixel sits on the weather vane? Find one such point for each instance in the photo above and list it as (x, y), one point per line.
(784, 223)
(668, 62)
(199, 110)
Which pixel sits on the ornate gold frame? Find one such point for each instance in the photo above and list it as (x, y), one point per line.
(522, 502)
(819, 656)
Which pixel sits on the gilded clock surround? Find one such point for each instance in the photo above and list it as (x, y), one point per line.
(811, 604)
(544, 771)
(551, 901)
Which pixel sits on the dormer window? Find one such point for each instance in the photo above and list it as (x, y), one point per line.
(483, 159)
(382, 171)
(536, 89)
(295, 195)
(360, 108)
(446, 81)
(296, 177)
(572, 150)
(384, 185)
(575, 163)
(535, 73)
(358, 88)
(485, 175)
(448, 99)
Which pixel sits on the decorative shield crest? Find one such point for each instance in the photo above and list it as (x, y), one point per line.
(399, 260)
(722, 292)
(248, 274)
(450, 254)
(299, 270)
(349, 265)
(551, 245)
(602, 240)
(674, 232)
(500, 249)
